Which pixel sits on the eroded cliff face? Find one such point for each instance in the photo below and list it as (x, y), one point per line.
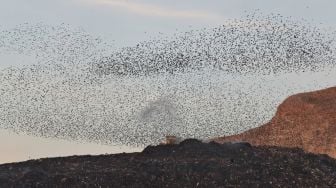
(305, 120)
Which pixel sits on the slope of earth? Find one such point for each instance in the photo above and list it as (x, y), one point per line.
(188, 164)
(306, 120)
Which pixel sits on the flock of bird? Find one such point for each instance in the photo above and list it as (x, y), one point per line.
(255, 44)
(201, 84)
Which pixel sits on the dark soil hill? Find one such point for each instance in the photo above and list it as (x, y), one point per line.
(188, 164)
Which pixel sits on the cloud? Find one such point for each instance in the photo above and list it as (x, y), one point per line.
(156, 10)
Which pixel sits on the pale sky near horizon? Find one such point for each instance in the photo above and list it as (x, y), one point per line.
(126, 22)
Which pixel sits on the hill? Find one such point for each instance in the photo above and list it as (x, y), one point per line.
(305, 120)
(188, 164)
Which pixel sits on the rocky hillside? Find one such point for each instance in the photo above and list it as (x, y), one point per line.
(306, 120)
(188, 164)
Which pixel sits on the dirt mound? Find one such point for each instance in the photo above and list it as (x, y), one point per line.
(189, 164)
(306, 120)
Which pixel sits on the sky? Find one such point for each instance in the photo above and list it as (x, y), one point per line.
(127, 22)
(20, 147)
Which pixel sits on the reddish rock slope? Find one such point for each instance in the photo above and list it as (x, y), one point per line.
(306, 120)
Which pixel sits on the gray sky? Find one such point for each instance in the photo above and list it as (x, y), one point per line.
(130, 21)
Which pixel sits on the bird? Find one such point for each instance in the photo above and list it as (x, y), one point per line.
(200, 83)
